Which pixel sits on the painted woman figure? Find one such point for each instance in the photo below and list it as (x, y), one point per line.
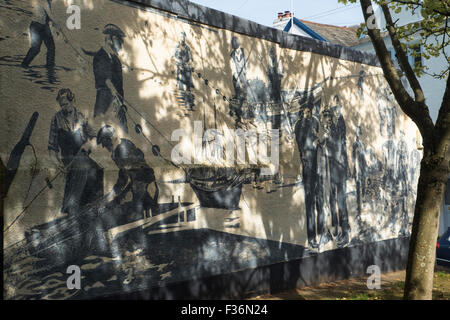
(69, 131)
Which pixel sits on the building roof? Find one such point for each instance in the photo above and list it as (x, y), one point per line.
(344, 36)
(310, 32)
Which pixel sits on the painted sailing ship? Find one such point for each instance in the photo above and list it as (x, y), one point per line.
(215, 186)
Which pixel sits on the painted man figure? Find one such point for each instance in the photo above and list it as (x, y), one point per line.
(360, 84)
(389, 151)
(402, 180)
(238, 64)
(306, 131)
(135, 174)
(40, 32)
(323, 171)
(183, 58)
(387, 113)
(359, 172)
(108, 76)
(69, 131)
(339, 171)
(391, 200)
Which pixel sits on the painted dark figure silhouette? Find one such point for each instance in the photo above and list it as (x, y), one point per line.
(183, 58)
(323, 171)
(339, 171)
(362, 75)
(306, 131)
(135, 175)
(40, 33)
(108, 76)
(69, 131)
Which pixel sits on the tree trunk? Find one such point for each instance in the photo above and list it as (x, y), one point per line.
(422, 247)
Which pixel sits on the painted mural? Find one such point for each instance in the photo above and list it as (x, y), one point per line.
(89, 120)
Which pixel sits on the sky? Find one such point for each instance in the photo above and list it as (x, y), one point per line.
(265, 11)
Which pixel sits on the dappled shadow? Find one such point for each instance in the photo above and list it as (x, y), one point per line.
(233, 231)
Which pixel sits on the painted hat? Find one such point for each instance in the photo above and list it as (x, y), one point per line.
(104, 133)
(113, 30)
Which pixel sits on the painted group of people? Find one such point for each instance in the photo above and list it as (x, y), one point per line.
(400, 166)
(70, 129)
(252, 97)
(321, 139)
(69, 132)
(320, 135)
(107, 67)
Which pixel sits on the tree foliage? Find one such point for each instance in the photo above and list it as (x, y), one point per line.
(432, 32)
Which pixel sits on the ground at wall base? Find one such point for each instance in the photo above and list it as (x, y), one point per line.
(392, 285)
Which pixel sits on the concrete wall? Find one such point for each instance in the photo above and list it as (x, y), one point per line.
(340, 199)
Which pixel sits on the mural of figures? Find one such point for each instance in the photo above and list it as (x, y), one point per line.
(69, 131)
(339, 172)
(238, 64)
(114, 202)
(40, 32)
(184, 61)
(135, 175)
(108, 76)
(396, 181)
